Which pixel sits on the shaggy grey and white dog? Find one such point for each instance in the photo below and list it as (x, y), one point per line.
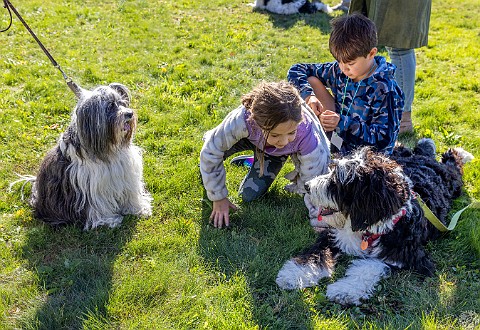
(94, 175)
(367, 200)
(288, 7)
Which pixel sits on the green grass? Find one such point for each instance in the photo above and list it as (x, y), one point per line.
(187, 63)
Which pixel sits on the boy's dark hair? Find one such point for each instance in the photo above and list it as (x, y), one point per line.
(352, 36)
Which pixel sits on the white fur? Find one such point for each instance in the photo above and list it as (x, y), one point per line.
(349, 241)
(466, 156)
(296, 276)
(111, 189)
(359, 282)
(323, 7)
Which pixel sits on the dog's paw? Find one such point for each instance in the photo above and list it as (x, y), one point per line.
(111, 222)
(345, 295)
(146, 210)
(298, 276)
(140, 207)
(359, 282)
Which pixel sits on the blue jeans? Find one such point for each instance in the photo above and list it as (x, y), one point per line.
(405, 61)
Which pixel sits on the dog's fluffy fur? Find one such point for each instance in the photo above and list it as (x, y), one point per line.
(94, 175)
(369, 197)
(288, 7)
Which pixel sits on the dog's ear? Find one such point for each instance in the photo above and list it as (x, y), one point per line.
(122, 91)
(378, 192)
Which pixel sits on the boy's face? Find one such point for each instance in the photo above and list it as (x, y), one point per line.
(359, 68)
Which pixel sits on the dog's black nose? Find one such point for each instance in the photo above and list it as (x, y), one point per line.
(128, 115)
(307, 188)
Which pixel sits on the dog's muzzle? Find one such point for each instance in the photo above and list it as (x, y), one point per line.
(128, 115)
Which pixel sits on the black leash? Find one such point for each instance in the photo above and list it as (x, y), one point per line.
(72, 85)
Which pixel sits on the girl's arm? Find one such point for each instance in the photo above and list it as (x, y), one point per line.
(217, 141)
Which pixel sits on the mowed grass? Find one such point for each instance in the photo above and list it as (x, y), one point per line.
(187, 64)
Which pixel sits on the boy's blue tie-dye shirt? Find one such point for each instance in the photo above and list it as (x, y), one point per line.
(370, 110)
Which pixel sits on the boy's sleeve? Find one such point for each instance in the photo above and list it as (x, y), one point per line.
(381, 127)
(299, 73)
(218, 140)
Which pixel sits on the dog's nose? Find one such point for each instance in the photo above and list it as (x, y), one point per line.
(128, 115)
(307, 188)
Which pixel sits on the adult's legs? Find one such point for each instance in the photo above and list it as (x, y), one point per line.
(405, 61)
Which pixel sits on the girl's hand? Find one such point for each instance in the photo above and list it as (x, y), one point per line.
(315, 105)
(329, 120)
(220, 212)
(322, 99)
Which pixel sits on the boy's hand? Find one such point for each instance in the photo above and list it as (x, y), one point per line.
(220, 212)
(315, 105)
(329, 120)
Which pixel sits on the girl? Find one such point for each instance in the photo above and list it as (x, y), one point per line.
(274, 122)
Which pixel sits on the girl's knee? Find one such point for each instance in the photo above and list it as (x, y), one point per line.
(249, 197)
(251, 190)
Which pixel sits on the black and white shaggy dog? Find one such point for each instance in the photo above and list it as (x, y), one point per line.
(288, 7)
(369, 203)
(94, 175)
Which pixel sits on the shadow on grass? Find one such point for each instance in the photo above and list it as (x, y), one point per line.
(262, 236)
(74, 270)
(317, 20)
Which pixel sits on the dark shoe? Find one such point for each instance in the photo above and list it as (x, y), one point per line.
(244, 160)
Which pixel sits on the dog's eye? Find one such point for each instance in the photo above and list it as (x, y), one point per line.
(112, 107)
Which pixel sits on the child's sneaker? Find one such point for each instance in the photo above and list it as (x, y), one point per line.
(244, 160)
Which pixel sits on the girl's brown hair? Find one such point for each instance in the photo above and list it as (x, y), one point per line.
(270, 104)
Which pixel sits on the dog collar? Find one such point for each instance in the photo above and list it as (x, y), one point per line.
(368, 238)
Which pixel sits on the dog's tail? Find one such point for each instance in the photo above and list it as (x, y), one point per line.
(464, 155)
(456, 158)
(24, 179)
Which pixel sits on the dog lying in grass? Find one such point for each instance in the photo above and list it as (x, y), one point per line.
(94, 175)
(369, 204)
(288, 7)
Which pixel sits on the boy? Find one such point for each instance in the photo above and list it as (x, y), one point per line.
(367, 104)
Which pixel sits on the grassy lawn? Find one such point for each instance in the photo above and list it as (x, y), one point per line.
(187, 63)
